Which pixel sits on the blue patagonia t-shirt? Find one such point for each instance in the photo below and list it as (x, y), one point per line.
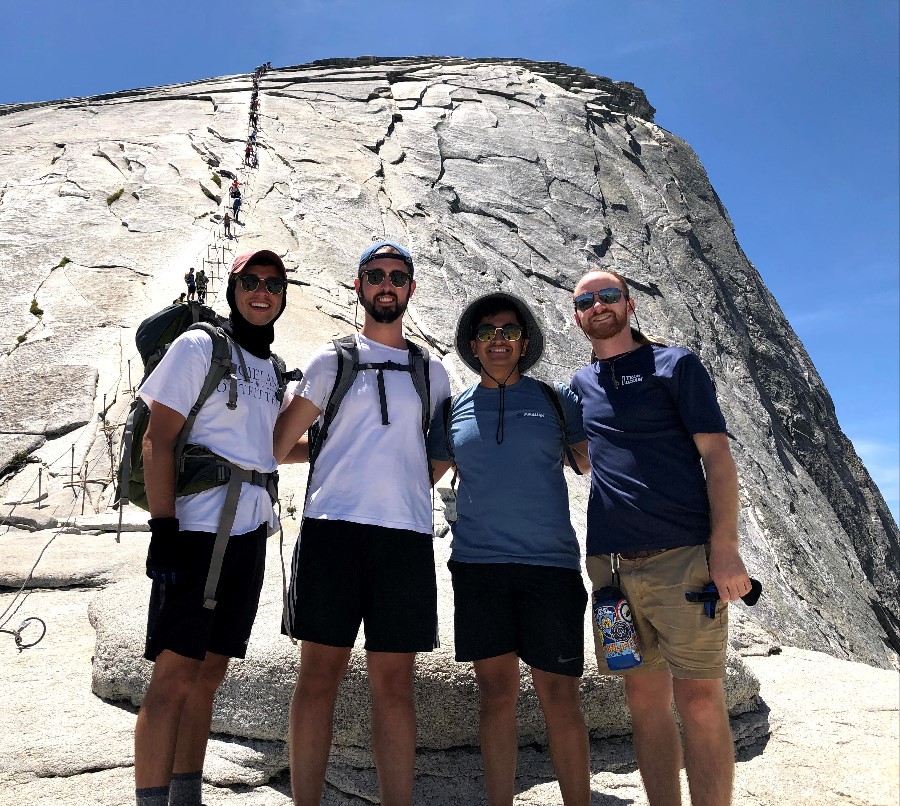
(512, 502)
(641, 410)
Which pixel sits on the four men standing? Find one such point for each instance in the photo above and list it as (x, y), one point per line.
(662, 521)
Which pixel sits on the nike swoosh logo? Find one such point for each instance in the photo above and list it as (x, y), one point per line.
(561, 659)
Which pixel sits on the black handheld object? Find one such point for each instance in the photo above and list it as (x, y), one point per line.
(710, 595)
(163, 554)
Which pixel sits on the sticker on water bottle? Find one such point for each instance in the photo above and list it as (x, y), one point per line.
(612, 615)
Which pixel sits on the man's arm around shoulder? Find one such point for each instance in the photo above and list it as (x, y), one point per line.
(725, 564)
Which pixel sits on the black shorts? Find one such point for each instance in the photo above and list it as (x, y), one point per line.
(536, 611)
(345, 573)
(177, 619)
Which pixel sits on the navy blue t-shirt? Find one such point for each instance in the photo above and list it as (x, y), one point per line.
(513, 502)
(648, 489)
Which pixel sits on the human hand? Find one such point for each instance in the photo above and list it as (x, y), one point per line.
(164, 553)
(727, 571)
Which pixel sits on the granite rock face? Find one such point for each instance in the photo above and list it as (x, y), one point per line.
(498, 174)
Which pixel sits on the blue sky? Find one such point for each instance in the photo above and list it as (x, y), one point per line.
(791, 106)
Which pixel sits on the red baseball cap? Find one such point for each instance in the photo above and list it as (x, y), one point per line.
(262, 257)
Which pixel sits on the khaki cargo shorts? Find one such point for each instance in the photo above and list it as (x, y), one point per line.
(671, 632)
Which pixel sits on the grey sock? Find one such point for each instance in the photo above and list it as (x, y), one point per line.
(185, 789)
(152, 796)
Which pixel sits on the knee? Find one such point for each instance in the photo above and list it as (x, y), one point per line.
(396, 688)
(559, 696)
(318, 678)
(211, 674)
(646, 695)
(498, 692)
(701, 703)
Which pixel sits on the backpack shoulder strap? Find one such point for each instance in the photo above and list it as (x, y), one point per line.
(220, 366)
(283, 376)
(420, 370)
(553, 395)
(347, 367)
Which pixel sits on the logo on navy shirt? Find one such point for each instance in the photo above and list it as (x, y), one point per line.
(532, 414)
(627, 379)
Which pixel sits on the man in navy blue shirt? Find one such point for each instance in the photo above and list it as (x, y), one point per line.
(663, 515)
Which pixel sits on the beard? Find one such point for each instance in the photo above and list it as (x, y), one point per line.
(383, 314)
(608, 329)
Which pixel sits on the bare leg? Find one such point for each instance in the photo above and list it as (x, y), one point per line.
(393, 724)
(498, 685)
(708, 743)
(657, 744)
(156, 730)
(312, 713)
(560, 700)
(196, 716)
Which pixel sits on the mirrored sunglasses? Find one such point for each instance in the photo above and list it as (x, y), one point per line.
(608, 296)
(509, 332)
(376, 277)
(250, 282)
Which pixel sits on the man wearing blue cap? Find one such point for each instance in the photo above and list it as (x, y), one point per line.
(365, 551)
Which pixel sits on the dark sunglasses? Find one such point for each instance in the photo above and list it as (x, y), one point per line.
(376, 277)
(250, 282)
(608, 296)
(509, 332)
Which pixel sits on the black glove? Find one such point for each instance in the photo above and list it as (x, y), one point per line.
(164, 557)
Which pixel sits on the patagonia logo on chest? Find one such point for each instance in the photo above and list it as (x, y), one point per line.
(624, 380)
(531, 414)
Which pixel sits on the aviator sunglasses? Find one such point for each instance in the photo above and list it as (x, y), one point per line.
(376, 277)
(250, 282)
(486, 332)
(608, 296)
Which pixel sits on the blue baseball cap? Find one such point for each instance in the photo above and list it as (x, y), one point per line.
(401, 254)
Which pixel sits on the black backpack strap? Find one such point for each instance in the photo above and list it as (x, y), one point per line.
(448, 405)
(220, 366)
(348, 366)
(553, 395)
(420, 369)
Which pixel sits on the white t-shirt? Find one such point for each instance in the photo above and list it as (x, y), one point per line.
(368, 472)
(243, 436)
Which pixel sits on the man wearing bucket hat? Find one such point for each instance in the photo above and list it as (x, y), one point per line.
(515, 559)
(189, 641)
(365, 552)
(662, 517)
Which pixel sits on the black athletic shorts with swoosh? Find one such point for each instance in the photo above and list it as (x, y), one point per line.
(536, 611)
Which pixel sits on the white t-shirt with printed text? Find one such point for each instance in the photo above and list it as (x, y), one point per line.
(242, 435)
(368, 472)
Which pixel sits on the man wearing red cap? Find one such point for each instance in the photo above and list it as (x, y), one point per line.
(365, 554)
(190, 642)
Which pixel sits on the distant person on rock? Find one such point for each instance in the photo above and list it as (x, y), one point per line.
(661, 522)
(236, 208)
(202, 282)
(181, 299)
(365, 553)
(191, 283)
(234, 190)
(515, 559)
(254, 118)
(226, 221)
(248, 153)
(190, 642)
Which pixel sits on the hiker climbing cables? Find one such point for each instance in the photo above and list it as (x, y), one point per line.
(515, 560)
(207, 550)
(365, 553)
